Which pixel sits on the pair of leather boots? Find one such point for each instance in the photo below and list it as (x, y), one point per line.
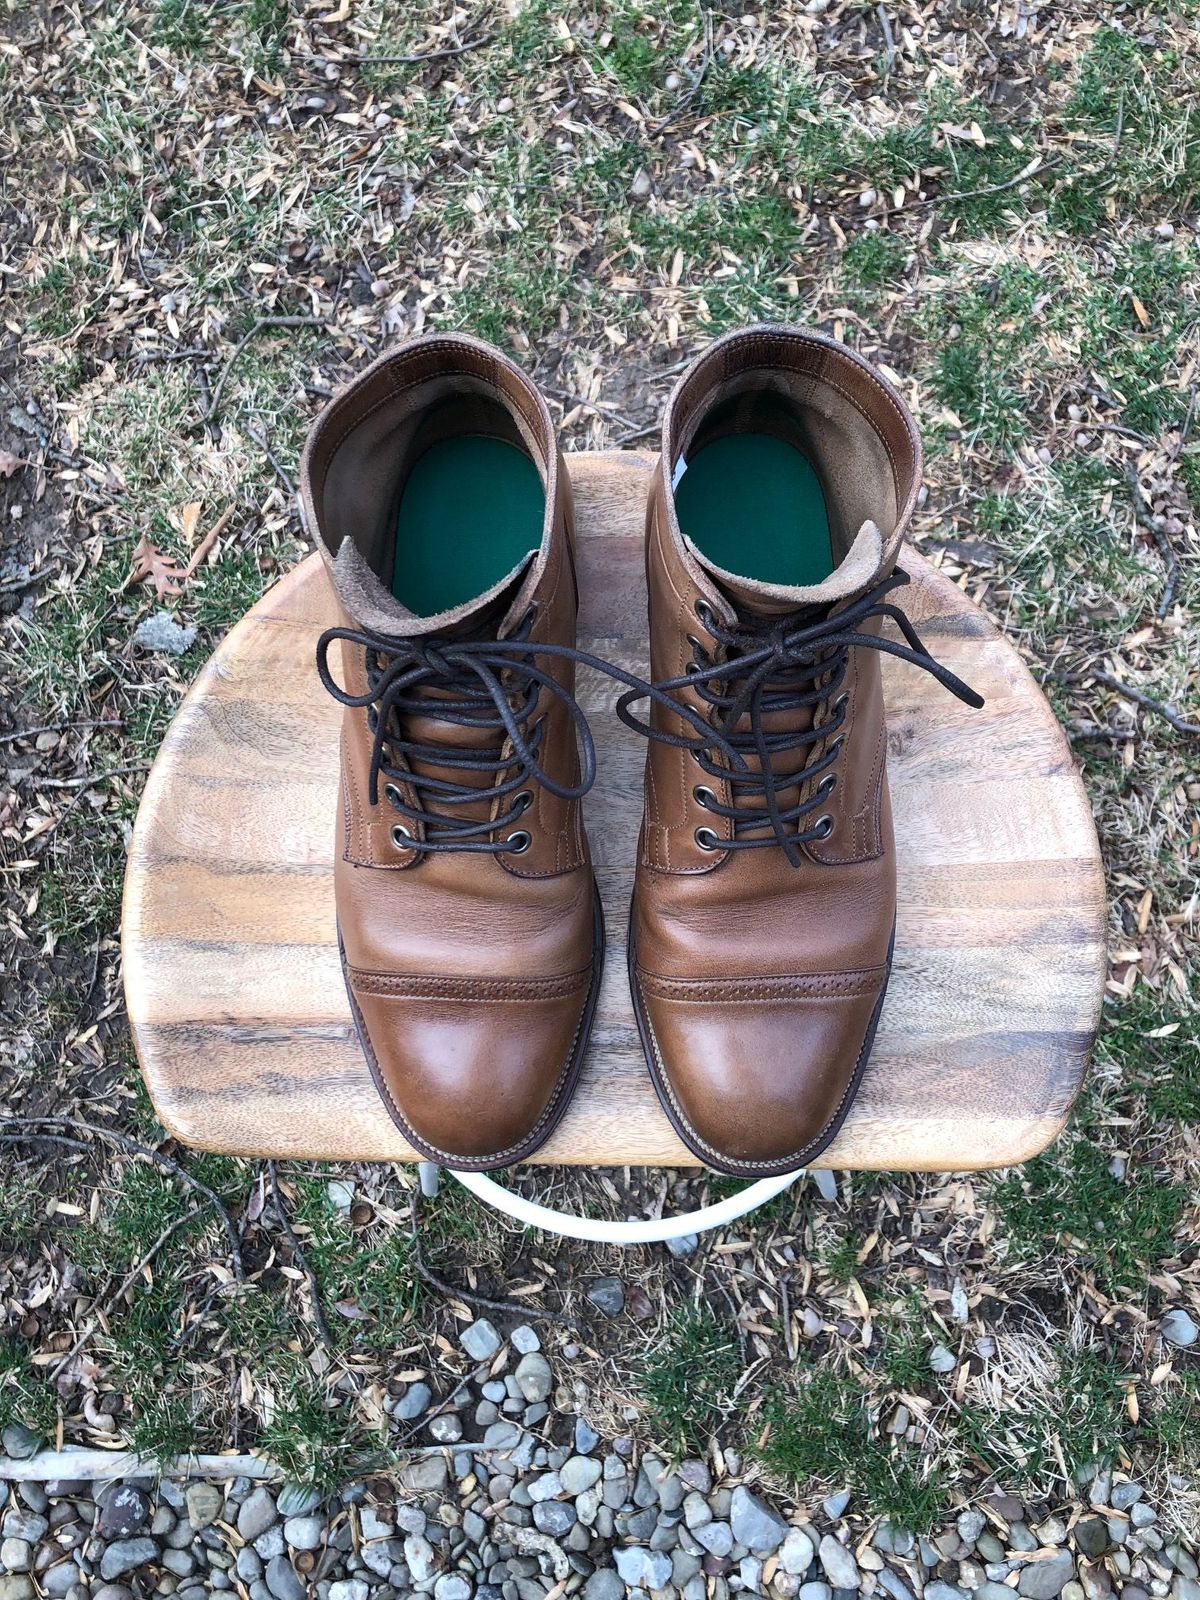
(764, 902)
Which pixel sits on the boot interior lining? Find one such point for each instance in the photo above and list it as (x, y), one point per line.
(772, 510)
(477, 507)
(750, 498)
(471, 508)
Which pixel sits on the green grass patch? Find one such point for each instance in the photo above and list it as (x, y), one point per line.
(689, 1377)
(822, 1430)
(1067, 1198)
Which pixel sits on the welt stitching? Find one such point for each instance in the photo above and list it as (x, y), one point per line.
(778, 1163)
(512, 1149)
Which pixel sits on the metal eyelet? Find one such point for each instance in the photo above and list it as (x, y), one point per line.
(827, 784)
(519, 842)
(704, 612)
(401, 837)
(707, 839)
(523, 799)
(842, 701)
(703, 796)
(393, 795)
(692, 668)
(836, 745)
(823, 826)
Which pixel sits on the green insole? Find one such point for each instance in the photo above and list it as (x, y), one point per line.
(472, 507)
(752, 504)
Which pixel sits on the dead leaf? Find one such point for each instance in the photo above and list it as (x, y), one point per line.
(190, 516)
(149, 564)
(9, 463)
(1140, 311)
(638, 1303)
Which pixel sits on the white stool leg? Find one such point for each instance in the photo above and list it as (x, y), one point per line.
(649, 1231)
(429, 1175)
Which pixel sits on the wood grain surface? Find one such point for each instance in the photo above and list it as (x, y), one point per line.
(232, 978)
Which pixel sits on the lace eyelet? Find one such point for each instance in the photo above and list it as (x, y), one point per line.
(392, 795)
(707, 839)
(824, 826)
(827, 784)
(523, 799)
(836, 745)
(704, 612)
(695, 643)
(401, 837)
(519, 842)
(842, 701)
(692, 668)
(703, 796)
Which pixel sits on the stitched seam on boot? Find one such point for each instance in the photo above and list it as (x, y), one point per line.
(794, 1159)
(447, 1156)
(813, 986)
(417, 986)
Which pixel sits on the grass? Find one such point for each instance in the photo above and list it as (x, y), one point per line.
(822, 1430)
(688, 1381)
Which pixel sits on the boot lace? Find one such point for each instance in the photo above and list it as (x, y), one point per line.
(764, 667)
(474, 682)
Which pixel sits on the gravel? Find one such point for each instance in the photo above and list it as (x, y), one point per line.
(755, 1524)
(480, 1340)
(840, 1566)
(546, 1502)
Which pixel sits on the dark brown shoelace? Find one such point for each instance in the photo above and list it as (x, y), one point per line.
(482, 683)
(765, 666)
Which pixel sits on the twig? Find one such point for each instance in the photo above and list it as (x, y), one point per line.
(210, 538)
(32, 1125)
(885, 22)
(135, 1272)
(1162, 708)
(1177, 447)
(1120, 127)
(402, 61)
(635, 433)
(1143, 514)
(142, 357)
(259, 325)
(93, 780)
(484, 1302)
(428, 55)
(90, 1464)
(302, 1261)
(55, 727)
(697, 81)
(1031, 171)
(785, 1311)
(1115, 427)
(260, 439)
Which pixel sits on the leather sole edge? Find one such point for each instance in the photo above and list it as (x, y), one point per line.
(561, 1095)
(729, 1166)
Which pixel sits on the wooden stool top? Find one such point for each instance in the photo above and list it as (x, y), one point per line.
(232, 978)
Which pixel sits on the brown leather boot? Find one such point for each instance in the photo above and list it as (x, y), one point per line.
(467, 913)
(764, 902)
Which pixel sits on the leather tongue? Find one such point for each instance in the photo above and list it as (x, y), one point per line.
(858, 567)
(373, 606)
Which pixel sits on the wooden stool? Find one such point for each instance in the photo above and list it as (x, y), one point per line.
(235, 992)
